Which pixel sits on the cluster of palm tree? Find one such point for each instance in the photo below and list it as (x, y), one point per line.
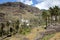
(55, 11)
(52, 15)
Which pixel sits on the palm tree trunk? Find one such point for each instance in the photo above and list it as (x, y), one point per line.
(51, 19)
(55, 18)
(46, 23)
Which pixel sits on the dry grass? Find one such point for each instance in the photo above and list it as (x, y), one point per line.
(28, 15)
(56, 37)
(30, 36)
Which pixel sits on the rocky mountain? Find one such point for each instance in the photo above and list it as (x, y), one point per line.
(11, 13)
(19, 9)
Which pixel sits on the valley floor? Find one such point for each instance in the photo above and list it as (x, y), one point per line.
(32, 35)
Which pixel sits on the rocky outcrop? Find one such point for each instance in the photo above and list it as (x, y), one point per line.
(44, 33)
(55, 27)
(51, 29)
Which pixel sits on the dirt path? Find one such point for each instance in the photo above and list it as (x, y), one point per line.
(34, 32)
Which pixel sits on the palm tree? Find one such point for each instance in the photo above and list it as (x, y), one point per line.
(2, 26)
(59, 16)
(17, 25)
(54, 12)
(7, 23)
(51, 13)
(45, 16)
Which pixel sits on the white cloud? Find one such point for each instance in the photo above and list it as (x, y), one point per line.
(29, 2)
(42, 4)
(48, 3)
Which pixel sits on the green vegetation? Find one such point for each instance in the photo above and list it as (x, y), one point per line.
(52, 15)
(55, 11)
(25, 29)
(45, 16)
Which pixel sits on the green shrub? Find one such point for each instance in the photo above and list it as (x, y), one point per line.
(24, 29)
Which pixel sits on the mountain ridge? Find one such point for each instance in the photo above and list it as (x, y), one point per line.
(18, 9)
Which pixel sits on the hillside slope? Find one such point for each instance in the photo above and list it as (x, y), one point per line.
(18, 9)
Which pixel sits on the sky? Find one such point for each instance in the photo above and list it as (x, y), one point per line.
(41, 4)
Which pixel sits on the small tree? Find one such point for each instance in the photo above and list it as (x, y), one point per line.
(2, 26)
(7, 23)
(17, 25)
(11, 30)
(24, 28)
